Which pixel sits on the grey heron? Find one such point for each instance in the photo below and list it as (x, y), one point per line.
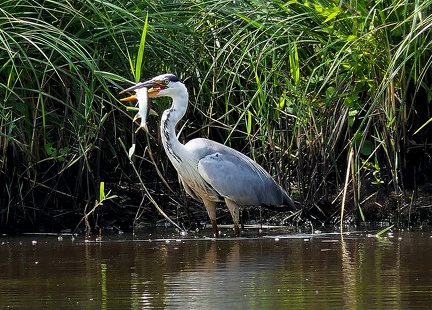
(209, 171)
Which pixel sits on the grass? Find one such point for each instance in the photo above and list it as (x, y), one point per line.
(306, 88)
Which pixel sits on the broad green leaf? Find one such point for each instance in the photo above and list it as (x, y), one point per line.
(367, 148)
(140, 55)
(101, 191)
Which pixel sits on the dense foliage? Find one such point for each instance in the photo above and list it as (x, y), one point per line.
(332, 97)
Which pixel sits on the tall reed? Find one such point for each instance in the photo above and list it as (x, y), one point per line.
(303, 87)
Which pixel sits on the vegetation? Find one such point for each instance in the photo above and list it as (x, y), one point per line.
(332, 97)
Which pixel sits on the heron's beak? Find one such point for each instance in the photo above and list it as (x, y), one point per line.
(130, 98)
(152, 86)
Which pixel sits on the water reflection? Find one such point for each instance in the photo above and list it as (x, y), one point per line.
(301, 271)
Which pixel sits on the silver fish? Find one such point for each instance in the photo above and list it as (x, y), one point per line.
(141, 94)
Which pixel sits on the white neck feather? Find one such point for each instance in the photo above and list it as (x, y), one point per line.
(183, 160)
(170, 118)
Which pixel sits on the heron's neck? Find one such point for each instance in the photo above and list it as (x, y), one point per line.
(174, 149)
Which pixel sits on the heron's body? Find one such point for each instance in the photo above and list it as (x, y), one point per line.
(212, 172)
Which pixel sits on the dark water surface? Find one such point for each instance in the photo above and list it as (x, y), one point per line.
(279, 271)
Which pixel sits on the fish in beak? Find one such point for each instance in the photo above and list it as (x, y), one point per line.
(143, 91)
(141, 94)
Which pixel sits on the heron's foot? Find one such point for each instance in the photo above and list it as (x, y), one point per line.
(215, 229)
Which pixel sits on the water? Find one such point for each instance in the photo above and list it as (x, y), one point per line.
(274, 271)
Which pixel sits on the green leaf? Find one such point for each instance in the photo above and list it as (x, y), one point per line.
(294, 64)
(361, 214)
(318, 8)
(101, 191)
(50, 150)
(329, 92)
(249, 123)
(140, 55)
(351, 101)
(282, 100)
(422, 126)
(351, 38)
(367, 148)
(111, 76)
(378, 234)
(331, 16)
(64, 150)
(352, 112)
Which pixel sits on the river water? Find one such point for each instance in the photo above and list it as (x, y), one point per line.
(272, 270)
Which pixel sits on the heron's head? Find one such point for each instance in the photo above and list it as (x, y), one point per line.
(165, 85)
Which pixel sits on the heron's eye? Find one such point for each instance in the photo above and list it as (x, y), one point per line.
(165, 81)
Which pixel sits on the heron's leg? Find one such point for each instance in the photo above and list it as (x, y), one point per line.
(211, 211)
(235, 213)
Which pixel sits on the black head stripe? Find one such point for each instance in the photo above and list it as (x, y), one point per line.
(171, 77)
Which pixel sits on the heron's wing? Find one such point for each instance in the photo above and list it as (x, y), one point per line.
(240, 179)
